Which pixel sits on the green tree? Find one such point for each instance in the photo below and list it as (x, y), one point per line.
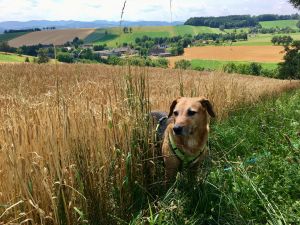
(65, 57)
(27, 60)
(99, 47)
(296, 3)
(290, 68)
(76, 42)
(255, 68)
(183, 64)
(125, 29)
(42, 55)
(298, 24)
(4, 47)
(274, 40)
(162, 62)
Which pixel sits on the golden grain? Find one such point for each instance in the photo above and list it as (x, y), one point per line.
(75, 138)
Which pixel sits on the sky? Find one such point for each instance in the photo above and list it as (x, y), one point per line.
(154, 10)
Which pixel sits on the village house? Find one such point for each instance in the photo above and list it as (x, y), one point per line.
(155, 51)
(116, 52)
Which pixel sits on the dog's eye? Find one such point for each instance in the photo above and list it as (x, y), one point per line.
(175, 113)
(191, 113)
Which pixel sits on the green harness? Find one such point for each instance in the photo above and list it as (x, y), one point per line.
(186, 159)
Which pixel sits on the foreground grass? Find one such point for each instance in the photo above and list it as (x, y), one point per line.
(218, 65)
(254, 175)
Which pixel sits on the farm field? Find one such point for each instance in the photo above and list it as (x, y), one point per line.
(75, 141)
(218, 64)
(280, 24)
(262, 39)
(10, 36)
(56, 37)
(9, 57)
(116, 36)
(266, 54)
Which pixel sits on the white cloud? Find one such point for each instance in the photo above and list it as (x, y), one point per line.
(135, 9)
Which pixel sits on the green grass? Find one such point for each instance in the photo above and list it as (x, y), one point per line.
(115, 36)
(218, 65)
(254, 173)
(280, 24)
(8, 57)
(262, 39)
(10, 36)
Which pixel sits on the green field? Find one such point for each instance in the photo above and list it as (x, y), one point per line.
(218, 65)
(263, 39)
(10, 36)
(115, 36)
(8, 57)
(279, 24)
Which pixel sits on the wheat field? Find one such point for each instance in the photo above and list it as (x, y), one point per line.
(47, 37)
(76, 144)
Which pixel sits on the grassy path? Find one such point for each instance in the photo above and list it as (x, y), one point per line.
(255, 172)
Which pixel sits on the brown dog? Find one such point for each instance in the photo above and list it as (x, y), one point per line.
(185, 134)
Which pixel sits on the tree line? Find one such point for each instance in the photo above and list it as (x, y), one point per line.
(282, 40)
(222, 37)
(21, 30)
(261, 30)
(236, 21)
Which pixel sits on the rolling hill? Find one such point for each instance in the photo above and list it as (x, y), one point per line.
(116, 36)
(56, 37)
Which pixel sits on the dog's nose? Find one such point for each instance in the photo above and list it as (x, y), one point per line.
(178, 129)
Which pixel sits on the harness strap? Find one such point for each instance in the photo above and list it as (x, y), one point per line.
(186, 159)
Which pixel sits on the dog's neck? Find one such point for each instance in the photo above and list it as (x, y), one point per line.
(194, 143)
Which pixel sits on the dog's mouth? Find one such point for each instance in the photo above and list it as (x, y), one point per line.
(182, 131)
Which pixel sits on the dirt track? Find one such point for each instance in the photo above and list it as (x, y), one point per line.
(233, 53)
(56, 37)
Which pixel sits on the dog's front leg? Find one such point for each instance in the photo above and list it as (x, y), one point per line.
(172, 165)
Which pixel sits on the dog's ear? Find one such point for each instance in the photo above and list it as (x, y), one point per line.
(208, 106)
(172, 107)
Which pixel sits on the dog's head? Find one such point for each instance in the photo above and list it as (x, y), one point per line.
(190, 115)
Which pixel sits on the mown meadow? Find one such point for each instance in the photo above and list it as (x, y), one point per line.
(9, 57)
(77, 147)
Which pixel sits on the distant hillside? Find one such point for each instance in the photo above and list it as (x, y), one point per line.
(46, 37)
(115, 36)
(65, 24)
